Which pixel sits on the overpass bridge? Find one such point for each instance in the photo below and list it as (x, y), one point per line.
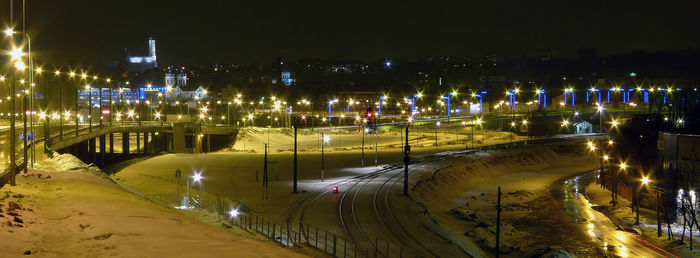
(113, 142)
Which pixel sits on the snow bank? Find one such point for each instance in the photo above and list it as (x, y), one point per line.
(460, 194)
(79, 214)
(253, 139)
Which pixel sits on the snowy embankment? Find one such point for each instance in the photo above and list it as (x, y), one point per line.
(253, 139)
(460, 195)
(66, 208)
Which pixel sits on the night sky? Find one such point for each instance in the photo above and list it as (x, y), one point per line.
(205, 32)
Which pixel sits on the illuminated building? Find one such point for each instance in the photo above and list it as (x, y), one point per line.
(143, 63)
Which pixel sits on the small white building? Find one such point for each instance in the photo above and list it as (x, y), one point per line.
(178, 93)
(583, 127)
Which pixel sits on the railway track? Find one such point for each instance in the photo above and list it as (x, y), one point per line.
(353, 186)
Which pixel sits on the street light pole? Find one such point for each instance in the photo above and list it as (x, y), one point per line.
(376, 144)
(363, 131)
(89, 116)
(60, 104)
(473, 125)
(436, 143)
(323, 140)
(111, 103)
(24, 105)
(13, 136)
(77, 109)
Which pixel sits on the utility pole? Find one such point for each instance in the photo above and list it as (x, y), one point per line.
(60, 105)
(13, 133)
(406, 160)
(636, 204)
(362, 131)
(26, 136)
(77, 113)
(295, 159)
(436, 144)
(498, 223)
(264, 182)
(376, 144)
(322, 160)
(47, 130)
(658, 218)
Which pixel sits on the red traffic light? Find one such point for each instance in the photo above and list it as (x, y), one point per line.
(335, 189)
(407, 149)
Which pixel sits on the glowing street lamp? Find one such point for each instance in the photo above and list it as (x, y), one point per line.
(197, 177)
(233, 213)
(623, 166)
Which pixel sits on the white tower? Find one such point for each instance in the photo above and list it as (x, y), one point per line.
(152, 50)
(169, 79)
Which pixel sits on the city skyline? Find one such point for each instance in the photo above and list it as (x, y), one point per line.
(230, 32)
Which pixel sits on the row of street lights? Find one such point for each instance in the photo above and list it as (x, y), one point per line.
(623, 167)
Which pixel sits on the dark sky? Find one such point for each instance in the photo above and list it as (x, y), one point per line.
(97, 31)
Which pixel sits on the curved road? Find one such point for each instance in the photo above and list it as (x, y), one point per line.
(602, 231)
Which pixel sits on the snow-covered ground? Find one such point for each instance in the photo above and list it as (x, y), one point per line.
(65, 209)
(346, 139)
(460, 195)
(237, 175)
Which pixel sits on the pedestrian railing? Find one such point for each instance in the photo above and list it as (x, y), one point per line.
(287, 234)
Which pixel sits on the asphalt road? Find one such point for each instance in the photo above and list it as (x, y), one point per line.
(603, 233)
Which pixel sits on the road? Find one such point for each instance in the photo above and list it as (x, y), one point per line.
(602, 231)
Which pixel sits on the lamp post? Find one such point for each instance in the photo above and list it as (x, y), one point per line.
(17, 55)
(196, 178)
(600, 117)
(326, 139)
(13, 137)
(111, 103)
(436, 143)
(512, 131)
(24, 120)
(45, 104)
(89, 116)
(623, 167)
(228, 113)
(60, 103)
(364, 131)
(77, 106)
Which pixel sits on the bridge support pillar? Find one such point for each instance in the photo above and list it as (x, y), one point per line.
(82, 150)
(168, 142)
(145, 143)
(91, 150)
(179, 141)
(197, 138)
(103, 149)
(153, 142)
(208, 142)
(111, 148)
(125, 145)
(138, 142)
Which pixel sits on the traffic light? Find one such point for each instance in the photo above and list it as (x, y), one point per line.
(368, 113)
(407, 150)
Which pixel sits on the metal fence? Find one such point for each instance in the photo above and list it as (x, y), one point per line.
(286, 234)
